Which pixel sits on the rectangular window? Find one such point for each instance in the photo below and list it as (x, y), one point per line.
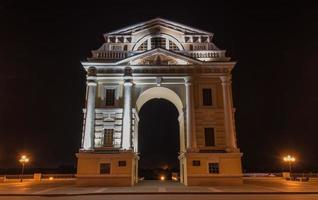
(110, 97)
(196, 163)
(213, 168)
(207, 96)
(209, 137)
(108, 137)
(104, 168)
(116, 48)
(122, 163)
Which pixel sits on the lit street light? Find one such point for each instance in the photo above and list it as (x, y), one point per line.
(23, 160)
(290, 160)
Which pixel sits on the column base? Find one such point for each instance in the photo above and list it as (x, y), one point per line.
(232, 150)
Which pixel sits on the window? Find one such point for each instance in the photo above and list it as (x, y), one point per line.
(125, 47)
(204, 39)
(191, 47)
(213, 168)
(173, 46)
(143, 46)
(112, 39)
(207, 96)
(196, 163)
(108, 137)
(122, 163)
(110, 97)
(116, 48)
(158, 42)
(104, 168)
(120, 39)
(209, 137)
(199, 47)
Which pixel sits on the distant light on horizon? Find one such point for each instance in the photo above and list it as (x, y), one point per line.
(289, 158)
(24, 159)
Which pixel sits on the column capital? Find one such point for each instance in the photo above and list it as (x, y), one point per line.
(128, 82)
(187, 80)
(226, 79)
(91, 83)
(181, 116)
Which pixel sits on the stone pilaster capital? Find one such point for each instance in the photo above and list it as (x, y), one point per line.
(128, 83)
(187, 80)
(181, 116)
(226, 80)
(91, 82)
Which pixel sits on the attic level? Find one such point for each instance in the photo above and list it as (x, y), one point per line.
(158, 33)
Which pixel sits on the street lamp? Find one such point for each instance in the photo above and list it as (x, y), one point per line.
(290, 159)
(23, 160)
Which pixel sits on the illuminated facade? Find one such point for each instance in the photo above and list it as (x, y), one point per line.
(159, 59)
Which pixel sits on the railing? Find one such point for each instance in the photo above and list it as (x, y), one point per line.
(207, 54)
(109, 55)
(279, 174)
(14, 177)
(202, 54)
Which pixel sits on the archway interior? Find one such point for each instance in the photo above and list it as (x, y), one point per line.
(158, 140)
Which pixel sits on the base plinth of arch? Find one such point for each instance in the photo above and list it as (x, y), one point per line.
(230, 170)
(122, 169)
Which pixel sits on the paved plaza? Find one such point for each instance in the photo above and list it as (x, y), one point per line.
(68, 187)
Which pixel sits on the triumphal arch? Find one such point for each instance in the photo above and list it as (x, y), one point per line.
(159, 59)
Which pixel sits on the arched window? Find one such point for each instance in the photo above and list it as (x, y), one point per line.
(173, 46)
(143, 46)
(158, 42)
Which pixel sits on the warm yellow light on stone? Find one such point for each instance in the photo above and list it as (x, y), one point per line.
(162, 178)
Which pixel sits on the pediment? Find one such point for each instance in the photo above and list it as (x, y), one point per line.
(158, 23)
(159, 59)
(159, 56)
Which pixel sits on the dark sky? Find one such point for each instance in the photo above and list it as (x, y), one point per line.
(42, 83)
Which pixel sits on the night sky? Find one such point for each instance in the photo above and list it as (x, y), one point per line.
(42, 83)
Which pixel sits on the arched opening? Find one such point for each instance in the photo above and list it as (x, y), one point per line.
(171, 98)
(158, 139)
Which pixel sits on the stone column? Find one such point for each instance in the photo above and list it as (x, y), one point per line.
(182, 133)
(126, 143)
(191, 138)
(228, 114)
(193, 129)
(88, 143)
